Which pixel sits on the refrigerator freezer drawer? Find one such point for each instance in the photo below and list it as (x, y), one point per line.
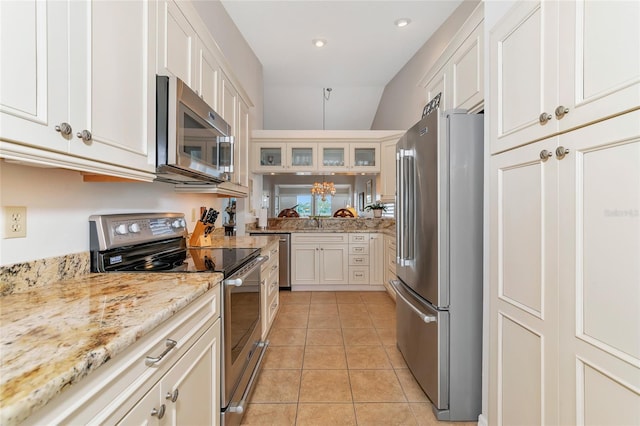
(423, 340)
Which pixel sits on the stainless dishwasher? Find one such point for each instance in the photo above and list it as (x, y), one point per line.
(285, 253)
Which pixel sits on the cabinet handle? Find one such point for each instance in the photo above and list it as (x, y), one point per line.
(159, 413)
(561, 151)
(85, 135)
(64, 129)
(545, 155)
(173, 397)
(150, 360)
(544, 117)
(561, 111)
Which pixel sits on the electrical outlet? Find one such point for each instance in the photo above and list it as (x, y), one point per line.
(193, 214)
(15, 222)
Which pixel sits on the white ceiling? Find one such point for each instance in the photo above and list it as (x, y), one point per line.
(364, 52)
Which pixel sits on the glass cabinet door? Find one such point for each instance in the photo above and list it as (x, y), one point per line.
(365, 157)
(302, 156)
(333, 156)
(270, 156)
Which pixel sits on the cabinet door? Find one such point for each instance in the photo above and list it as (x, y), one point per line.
(364, 157)
(386, 180)
(523, 75)
(599, 237)
(524, 287)
(270, 156)
(242, 141)
(376, 259)
(190, 389)
(467, 72)
(334, 266)
(208, 75)
(599, 61)
(34, 38)
(118, 109)
(147, 410)
(304, 264)
(176, 44)
(439, 84)
(302, 156)
(333, 157)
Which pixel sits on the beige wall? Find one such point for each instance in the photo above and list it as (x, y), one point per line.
(402, 100)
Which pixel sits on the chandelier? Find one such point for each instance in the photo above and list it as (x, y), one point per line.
(323, 189)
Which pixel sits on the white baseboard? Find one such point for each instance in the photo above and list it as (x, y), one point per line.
(337, 287)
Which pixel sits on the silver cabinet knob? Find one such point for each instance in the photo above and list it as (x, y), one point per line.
(64, 129)
(544, 117)
(173, 397)
(545, 155)
(561, 152)
(561, 111)
(85, 135)
(160, 412)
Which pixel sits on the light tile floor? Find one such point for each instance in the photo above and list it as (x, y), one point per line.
(333, 361)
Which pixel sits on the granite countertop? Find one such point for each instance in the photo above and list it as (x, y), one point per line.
(54, 336)
(326, 225)
(242, 241)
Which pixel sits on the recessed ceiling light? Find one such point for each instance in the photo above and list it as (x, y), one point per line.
(402, 22)
(318, 42)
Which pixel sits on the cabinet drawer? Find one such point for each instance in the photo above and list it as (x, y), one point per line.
(358, 260)
(359, 238)
(358, 248)
(358, 275)
(318, 238)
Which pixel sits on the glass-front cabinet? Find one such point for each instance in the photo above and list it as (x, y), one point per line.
(352, 157)
(285, 157)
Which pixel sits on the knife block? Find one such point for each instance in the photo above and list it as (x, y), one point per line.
(198, 237)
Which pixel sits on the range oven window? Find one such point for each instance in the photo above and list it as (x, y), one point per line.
(245, 315)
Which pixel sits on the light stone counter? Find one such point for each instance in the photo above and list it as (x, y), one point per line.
(52, 337)
(326, 225)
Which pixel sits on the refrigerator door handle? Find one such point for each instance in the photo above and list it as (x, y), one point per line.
(426, 318)
(406, 225)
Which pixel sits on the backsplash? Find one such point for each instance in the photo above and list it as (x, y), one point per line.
(25, 276)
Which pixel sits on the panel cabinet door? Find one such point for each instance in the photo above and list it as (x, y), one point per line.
(34, 38)
(523, 356)
(242, 141)
(599, 252)
(599, 61)
(145, 411)
(523, 75)
(176, 44)
(467, 72)
(334, 264)
(190, 389)
(208, 75)
(305, 264)
(439, 84)
(376, 259)
(113, 82)
(386, 180)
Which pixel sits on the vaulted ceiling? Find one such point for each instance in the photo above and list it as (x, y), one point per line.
(363, 52)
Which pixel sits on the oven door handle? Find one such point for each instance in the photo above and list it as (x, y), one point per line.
(238, 278)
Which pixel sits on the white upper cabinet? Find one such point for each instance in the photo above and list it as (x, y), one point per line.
(556, 66)
(176, 44)
(458, 74)
(70, 101)
(349, 157)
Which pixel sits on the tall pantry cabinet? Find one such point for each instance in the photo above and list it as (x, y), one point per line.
(565, 214)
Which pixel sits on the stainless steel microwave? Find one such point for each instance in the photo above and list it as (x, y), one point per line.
(194, 144)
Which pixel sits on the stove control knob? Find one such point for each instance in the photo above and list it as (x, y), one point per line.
(178, 223)
(134, 227)
(121, 229)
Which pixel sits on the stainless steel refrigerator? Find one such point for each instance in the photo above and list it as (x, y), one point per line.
(439, 260)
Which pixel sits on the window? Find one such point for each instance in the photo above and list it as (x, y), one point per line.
(299, 196)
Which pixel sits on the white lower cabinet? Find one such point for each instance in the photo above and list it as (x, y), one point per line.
(564, 274)
(319, 258)
(389, 263)
(269, 287)
(186, 394)
(182, 384)
(376, 258)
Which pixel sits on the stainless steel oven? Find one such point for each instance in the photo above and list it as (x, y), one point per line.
(242, 347)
